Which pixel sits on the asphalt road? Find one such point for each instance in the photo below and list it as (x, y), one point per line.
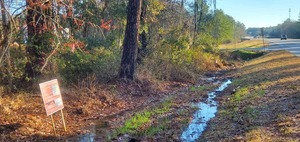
(292, 45)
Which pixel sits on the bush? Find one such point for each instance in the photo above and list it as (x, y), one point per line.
(99, 61)
(179, 64)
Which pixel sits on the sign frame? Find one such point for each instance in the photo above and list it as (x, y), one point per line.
(51, 96)
(52, 99)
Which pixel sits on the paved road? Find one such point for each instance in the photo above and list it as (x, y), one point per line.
(292, 45)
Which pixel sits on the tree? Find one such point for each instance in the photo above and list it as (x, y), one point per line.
(38, 20)
(130, 46)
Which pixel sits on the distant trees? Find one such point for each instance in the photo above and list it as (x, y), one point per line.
(288, 27)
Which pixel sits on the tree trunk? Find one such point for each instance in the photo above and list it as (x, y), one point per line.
(36, 27)
(130, 46)
(5, 26)
(142, 51)
(195, 19)
(5, 43)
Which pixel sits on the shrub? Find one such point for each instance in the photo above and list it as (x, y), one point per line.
(76, 66)
(179, 64)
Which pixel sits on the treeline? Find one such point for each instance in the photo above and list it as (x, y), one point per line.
(77, 39)
(288, 27)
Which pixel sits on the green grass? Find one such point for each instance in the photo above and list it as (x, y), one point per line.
(137, 123)
(154, 129)
(239, 95)
(199, 88)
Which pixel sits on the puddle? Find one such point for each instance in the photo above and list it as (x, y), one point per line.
(207, 110)
(96, 133)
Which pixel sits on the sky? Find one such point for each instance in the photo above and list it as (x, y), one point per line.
(260, 13)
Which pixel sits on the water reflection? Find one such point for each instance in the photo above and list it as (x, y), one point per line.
(207, 110)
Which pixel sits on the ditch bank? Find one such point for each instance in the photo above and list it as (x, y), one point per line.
(168, 120)
(265, 104)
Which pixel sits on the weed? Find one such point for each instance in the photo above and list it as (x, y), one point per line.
(286, 130)
(132, 124)
(197, 88)
(251, 113)
(152, 130)
(239, 95)
(246, 54)
(135, 123)
(224, 112)
(258, 135)
(261, 92)
(237, 82)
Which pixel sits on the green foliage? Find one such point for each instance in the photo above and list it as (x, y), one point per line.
(288, 27)
(78, 65)
(246, 54)
(155, 129)
(179, 64)
(136, 123)
(174, 51)
(14, 72)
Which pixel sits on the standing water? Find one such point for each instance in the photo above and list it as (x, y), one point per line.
(207, 111)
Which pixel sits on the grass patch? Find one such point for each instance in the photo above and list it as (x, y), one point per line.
(197, 88)
(134, 123)
(265, 107)
(239, 95)
(245, 44)
(154, 129)
(137, 124)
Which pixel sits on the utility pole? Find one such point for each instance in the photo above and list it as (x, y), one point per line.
(290, 14)
(262, 34)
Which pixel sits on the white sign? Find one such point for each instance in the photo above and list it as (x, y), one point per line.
(51, 96)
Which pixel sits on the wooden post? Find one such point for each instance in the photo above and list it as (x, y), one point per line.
(63, 120)
(53, 125)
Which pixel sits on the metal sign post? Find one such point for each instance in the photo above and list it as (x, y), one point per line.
(52, 100)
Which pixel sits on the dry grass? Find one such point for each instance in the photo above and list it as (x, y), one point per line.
(269, 111)
(245, 44)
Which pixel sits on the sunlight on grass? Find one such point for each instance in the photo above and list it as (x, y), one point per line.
(258, 135)
(245, 44)
(264, 88)
(270, 56)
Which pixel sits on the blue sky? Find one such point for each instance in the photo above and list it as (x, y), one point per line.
(260, 13)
